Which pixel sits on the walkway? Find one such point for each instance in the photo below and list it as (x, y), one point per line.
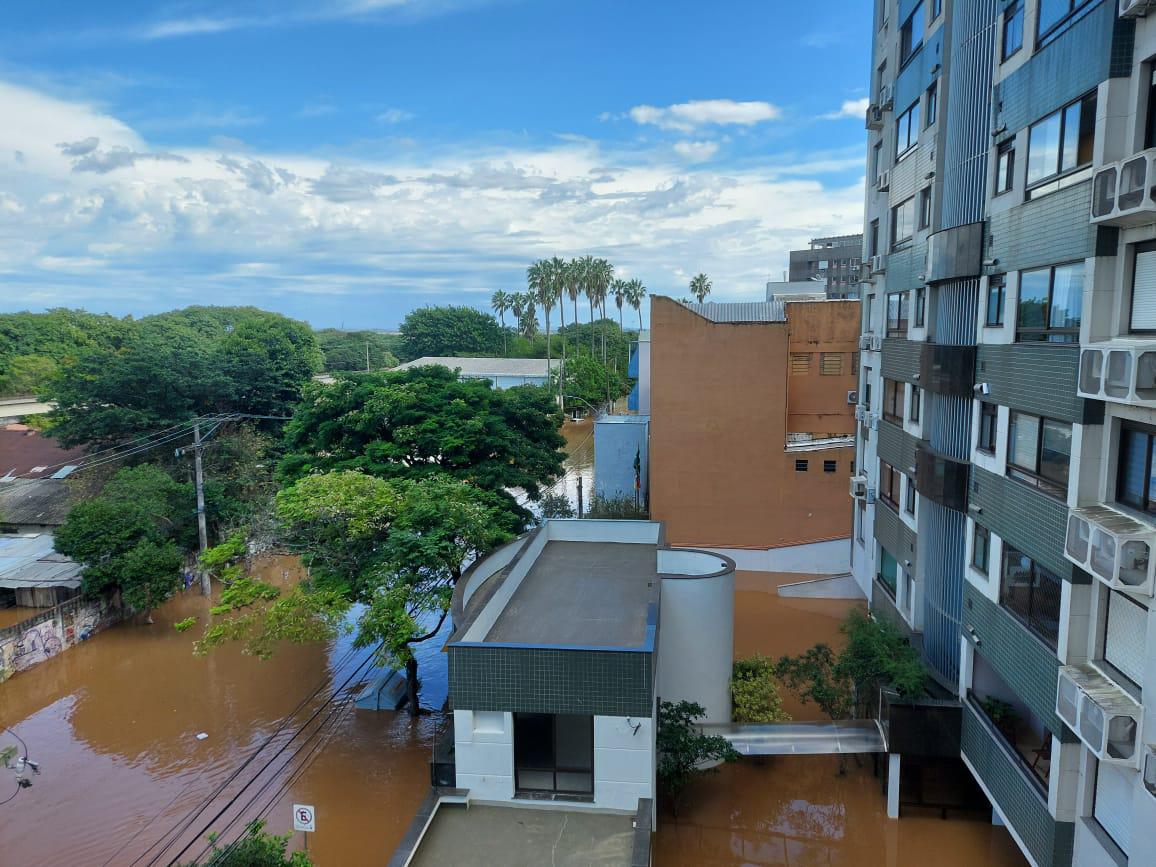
(802, 738)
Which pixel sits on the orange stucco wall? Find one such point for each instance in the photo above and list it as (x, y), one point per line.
(817, 403)
(720, 474)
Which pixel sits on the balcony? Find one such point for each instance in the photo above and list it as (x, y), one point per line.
(947, 369)
(1119, 371)
(1104, 717)
(1123, 192)
(941, 478)
(1114, 547)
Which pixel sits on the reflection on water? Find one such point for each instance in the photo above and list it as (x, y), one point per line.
(797, 810)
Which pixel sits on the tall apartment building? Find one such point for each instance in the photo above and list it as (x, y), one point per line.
(834, 260)
(1005, 496)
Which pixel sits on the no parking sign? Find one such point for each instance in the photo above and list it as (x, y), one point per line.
(304, 819)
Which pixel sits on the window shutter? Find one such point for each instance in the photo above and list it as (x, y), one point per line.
(1144, 291)
(1124, 639)
(1113, 808)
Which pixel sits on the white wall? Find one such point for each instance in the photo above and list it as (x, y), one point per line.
(696, 643)
(484, 753)
(623, 761)
(818, 558)
(644, 377)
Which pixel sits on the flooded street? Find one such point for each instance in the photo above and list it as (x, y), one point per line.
(114, 723)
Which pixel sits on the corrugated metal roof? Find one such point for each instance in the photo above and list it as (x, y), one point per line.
(740, 311)
(484, 366)
(32, 561)
(34, 501)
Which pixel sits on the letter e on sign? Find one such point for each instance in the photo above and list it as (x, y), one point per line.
(304, 819)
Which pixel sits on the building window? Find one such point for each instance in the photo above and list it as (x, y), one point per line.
(907, 130)
(866, 390)
(800, 466)
(936, 9)
(1005, 166)
(800, 363)
(1039, 452)
(889, 482)
(893, 401)
(873, 240)
(916, 400)
(1112, 803)
(1150, 120)
(932, 109)
(925, 208)
(988, 422)
(902, 223)
(1142, 318)
(861, 521)
(830, 363)
(909, 502)
(1062, 141)
(1053, 13)
(1032, 594)
(1013, 29)
(1125, 642)
(888, 573)
(1135, 485)
(877, 159)
(1050, 303)
(897, 314)
(980, 548)
(830, 466)
(911, 34)
(920, 306)
(996, 295)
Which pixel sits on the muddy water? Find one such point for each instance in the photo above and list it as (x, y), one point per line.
(579, 461)
(114, 723)
(792, 810)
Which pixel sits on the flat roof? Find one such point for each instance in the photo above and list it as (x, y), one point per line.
(525, 837)
(32, 561)
(485, 366)
(587, 593)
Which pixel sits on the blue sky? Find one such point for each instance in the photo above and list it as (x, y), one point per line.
(344, 161)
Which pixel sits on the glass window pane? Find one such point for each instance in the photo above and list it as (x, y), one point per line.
(1071, 137)
(1067, 296)
(1051, 13)
(1056, 451)
(1033, 298)
(1087, 130)
(1023, 441)
(1044, 148)
(1133, 468)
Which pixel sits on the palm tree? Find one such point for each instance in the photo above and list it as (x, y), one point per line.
(602, 275)
(528, 318)
(575, 281)
(540, 279)
(618, 287)
(635, 292)
(700, 287)
(502, 302)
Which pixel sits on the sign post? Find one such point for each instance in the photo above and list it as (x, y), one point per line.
(305, 820)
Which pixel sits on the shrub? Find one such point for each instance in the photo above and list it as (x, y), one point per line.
(623, 507)
(683, 750)
(755, 692)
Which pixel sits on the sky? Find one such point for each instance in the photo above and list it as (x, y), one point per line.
(345, 161)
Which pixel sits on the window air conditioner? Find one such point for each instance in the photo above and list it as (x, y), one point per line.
(876, 343)
(1104, 717)
(883, 181)
(1135, 8)
(852, 397)
(886, 96)
(858, 487)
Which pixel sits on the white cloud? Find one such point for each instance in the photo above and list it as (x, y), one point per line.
(853, 108)
(232, 225)
(394, 115)
(686, 116)
(696, 151)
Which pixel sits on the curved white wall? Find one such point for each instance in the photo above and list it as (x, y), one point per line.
(696, 641)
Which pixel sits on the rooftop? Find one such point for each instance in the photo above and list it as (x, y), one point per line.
(26, 452)
(740, 311)
(484, 366)
(34, 501)
(581, 593)
(32, 561)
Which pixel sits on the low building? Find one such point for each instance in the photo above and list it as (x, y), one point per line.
(33, 575)
(16, 409)
(501, 372)
(622, 458)
(752, 428)
(564, 640)
(34, 496)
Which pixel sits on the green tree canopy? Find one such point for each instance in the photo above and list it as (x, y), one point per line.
(33, 345)
(130, 536)
(345, 350)
(449, 331)
(592, 382)
(421, 421)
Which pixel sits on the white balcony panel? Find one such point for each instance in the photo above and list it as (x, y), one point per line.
(1121, 371)
(1114, 547)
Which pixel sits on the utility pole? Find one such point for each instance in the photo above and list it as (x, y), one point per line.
(366, 364)
(579, 495)
(202, 530)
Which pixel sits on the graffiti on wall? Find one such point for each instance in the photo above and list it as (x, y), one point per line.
(37, 644)
(28, 646)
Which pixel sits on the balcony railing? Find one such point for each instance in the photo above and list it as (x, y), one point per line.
(1113, 546)
(1119, 371)
(1123, 192)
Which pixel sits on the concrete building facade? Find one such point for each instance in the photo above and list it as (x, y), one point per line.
(751, 431)
(1008, 398)
(833, 261)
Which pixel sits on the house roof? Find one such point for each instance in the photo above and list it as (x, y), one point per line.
(32, 561)
(485, 366)
(27, 453)
(34, 501)
(740, 311)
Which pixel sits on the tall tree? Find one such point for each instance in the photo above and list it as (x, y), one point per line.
(602, 276)
(635, 292)
(542, 281)
(448, 331)
(501, 301)
(700, 287)
(575, 281)
(347, 350)
(618, 287)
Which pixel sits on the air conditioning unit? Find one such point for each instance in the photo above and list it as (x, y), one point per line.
(874, 117)
(878, 263)
(873, 421)
(865, 342)
(858, 487)
(860, 413)
(1114, 547)
(1136, 8)
(883, 181)
(886, 96)
(1104, 717)
(876, 343)
(852, 397)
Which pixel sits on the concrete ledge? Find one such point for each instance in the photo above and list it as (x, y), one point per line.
(832, 587)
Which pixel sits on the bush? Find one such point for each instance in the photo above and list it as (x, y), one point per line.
(257, 848)
(554, 505)
(623, 508)
(755, 692)
(683, 749)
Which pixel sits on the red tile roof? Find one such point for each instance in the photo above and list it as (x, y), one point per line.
(28, 453)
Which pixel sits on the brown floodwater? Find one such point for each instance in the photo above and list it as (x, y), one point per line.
(798, 810)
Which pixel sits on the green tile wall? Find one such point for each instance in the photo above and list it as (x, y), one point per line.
(539, 680)
(1045, 231)
(905, 266)
(1036, 379)
(893, 534)
(1049, 841)
(896, 446)
(900, 359)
